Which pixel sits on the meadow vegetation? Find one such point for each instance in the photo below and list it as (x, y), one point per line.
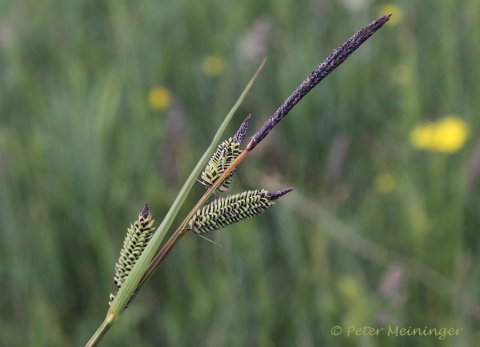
(107, 105)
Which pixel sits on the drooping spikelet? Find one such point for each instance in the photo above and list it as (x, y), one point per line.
(233, 208)
(224, 155)
(138, 235)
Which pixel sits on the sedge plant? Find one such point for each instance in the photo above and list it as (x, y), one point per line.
(140, 254)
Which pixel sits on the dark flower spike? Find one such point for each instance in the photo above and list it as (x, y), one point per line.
(137, 238)
(280, 193)
(232, 209)
(321, 71)
(224, 155)
(242, 130)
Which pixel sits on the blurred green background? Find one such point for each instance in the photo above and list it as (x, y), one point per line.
(106, 105)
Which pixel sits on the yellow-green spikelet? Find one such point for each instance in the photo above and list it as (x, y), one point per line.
(232, 209)
(138, 235)
(224, 155)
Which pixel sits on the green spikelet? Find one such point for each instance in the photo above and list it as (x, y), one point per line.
(233, 208)
(137, 238)
(224, 155)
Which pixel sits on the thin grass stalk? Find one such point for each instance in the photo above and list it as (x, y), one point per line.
(101, 331)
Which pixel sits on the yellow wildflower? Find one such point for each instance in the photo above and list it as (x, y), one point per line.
(385, 183)
(393, 9)
(446, 135)
(159, 98)
(423, 136)
(213, 65)
(451, 134)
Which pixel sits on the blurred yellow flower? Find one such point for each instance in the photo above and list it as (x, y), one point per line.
(385, 183)
(213, 65)
(348, 287)
(159, 98)
(446, 135)
(393, 9)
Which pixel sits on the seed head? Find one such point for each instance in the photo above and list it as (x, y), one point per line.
(138, 235)
(232, 209)
(224, 155)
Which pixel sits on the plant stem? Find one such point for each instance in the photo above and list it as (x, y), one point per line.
(130, 286)
(134, 281)
(102, 330)
(330, 63)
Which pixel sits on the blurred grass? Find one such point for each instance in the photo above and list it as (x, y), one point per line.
(81, 150)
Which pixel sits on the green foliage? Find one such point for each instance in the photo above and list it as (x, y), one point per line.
(81, 150)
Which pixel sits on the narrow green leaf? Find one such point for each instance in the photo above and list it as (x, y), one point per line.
(132, 280)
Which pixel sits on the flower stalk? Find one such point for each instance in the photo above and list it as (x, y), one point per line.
(330, 63)
(231, 156)
(131, 284)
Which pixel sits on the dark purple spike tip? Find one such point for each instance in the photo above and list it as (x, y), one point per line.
(242, 130)
(279, 194)
(145, 211)
(330, 63)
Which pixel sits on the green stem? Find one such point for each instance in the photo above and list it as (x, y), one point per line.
(102, 330)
